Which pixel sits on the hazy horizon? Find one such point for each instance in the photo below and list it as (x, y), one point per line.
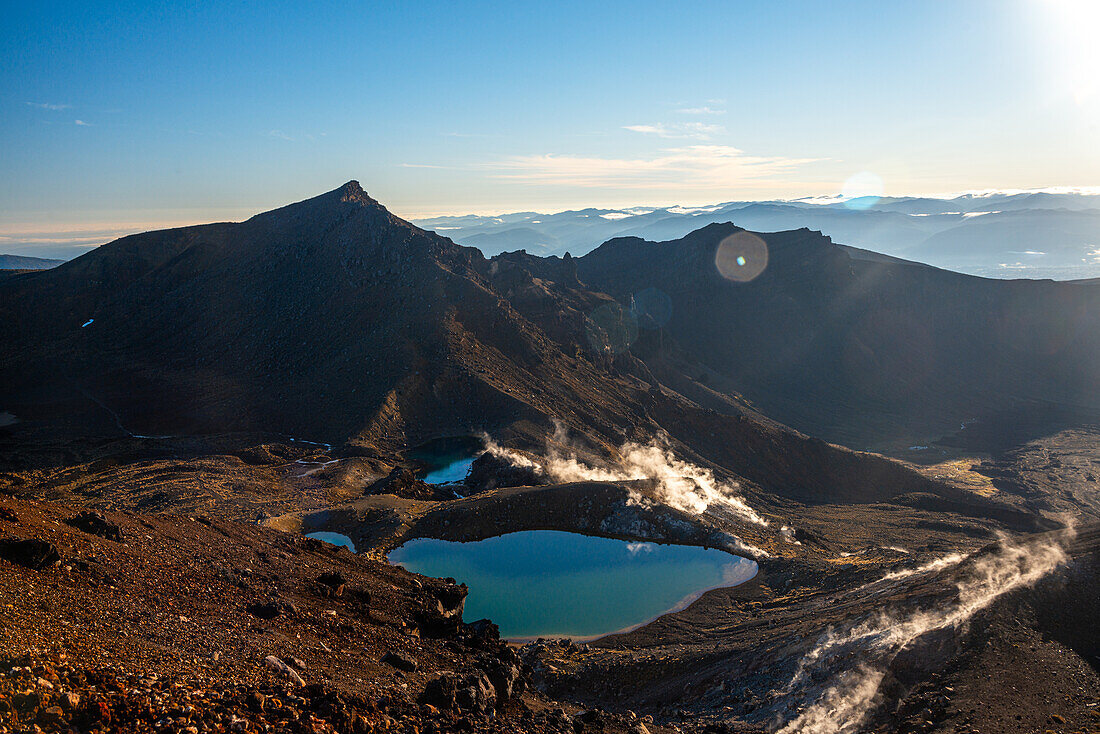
(75, 240)
(126, 119)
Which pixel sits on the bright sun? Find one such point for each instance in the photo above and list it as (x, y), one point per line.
(1075, 29)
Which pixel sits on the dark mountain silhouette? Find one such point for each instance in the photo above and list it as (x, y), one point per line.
(332, 320)
(329, 318)
(856, 347)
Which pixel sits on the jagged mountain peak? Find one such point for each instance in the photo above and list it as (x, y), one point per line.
(352, 192)
(347, 200)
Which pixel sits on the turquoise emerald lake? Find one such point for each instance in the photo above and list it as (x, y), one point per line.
(548, 583)
(453, 471)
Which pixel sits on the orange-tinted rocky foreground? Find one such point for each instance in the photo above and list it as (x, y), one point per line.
(184, 624)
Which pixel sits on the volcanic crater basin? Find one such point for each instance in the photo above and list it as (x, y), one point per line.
(549, 583)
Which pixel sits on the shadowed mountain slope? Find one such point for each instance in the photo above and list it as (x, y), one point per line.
(867, 351)
(329, 319)
(332, 320)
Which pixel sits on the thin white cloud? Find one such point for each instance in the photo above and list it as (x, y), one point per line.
(48, 106)
(693, 130)
(278, 135)
(693, 167)
(704, 110)
(81, 123)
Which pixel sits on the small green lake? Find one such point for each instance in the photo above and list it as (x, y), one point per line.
(548, 583)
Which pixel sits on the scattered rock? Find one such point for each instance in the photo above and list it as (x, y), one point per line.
(96, 524)
(399, 661)
(256, 701)
(52, 716)
(333, 582)
(278, 666)
(32, 553)
(403, 483)
(272, 609)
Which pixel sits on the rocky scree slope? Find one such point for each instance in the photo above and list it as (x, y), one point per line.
(139, 623)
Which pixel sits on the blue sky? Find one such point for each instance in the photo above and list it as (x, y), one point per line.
(123, 116)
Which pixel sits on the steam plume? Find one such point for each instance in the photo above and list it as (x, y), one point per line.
(843, 705)
(680, 484)
(952, 559)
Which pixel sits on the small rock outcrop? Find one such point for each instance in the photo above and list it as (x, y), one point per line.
(469, 693)
(403, 483)
(399, 661)
(441, 613)
(96, 524)
(490, 472)
(332, 583)
(31, 553)
(271, 609)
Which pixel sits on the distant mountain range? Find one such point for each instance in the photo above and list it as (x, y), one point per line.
(21, 262)
(1031, 234)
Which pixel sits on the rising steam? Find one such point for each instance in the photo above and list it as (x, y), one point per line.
(680, 484)
(843, 705)
(952, 559)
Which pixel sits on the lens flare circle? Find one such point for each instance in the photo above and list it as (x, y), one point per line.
(741, 257)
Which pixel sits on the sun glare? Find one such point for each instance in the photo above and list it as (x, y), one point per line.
(1073, 47)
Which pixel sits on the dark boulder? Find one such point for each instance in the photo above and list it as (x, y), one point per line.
(332, 582)
(506, 677)
(489, 472)
(32, 553)
(441, 613)
(399, 661)
(480, 633)
(470, 693)
(403, 483)
(271, 609)
(96, 524)
(52, 717)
